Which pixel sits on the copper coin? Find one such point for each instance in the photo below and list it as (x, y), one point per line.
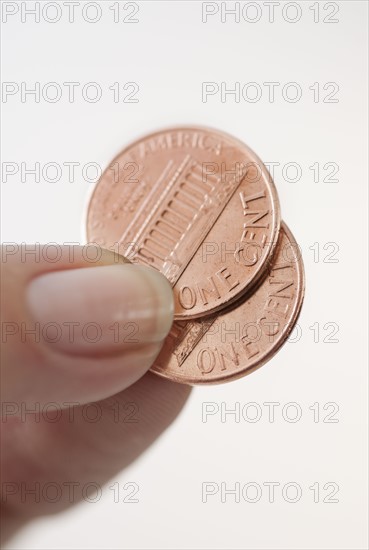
(197, 205)
(242, 338)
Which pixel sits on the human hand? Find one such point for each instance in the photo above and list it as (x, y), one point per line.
(77, 331)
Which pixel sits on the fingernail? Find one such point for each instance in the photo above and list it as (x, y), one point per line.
(101, 309)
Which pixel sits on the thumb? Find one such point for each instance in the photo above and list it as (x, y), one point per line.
(76, 330)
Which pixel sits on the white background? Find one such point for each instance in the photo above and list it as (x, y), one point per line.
(169, 53)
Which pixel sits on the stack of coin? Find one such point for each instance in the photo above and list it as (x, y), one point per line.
(199, 206)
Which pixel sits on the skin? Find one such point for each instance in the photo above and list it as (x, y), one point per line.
(35, 449)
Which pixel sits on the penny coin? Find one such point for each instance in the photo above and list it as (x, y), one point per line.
(196, 204)
(242, 338)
